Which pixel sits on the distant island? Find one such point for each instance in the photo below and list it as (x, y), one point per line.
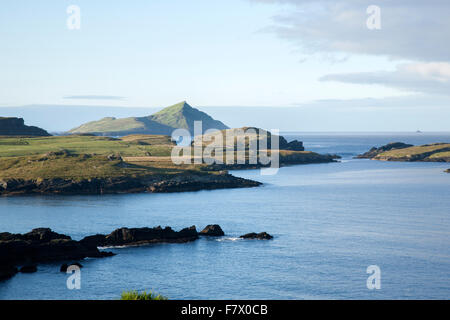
(398, 151)
(178, 116)
(119, 156)
(16, 127)
(87, 164)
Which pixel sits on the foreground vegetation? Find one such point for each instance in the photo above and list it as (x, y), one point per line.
(135, 295)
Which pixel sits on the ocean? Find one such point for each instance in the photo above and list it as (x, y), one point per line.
(329, 222)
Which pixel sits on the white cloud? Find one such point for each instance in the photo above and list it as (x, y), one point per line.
(414, 29)
(433, 77)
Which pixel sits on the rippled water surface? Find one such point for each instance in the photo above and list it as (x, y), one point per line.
(330, 221)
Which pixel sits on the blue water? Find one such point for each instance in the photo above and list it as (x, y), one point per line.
(330, 222)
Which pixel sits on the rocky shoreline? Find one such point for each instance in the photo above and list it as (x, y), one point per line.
(22, 252)
(125, 184)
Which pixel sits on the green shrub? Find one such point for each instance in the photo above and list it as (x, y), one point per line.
(135, 295)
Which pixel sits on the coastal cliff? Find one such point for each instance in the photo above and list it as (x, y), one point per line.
(17, 127)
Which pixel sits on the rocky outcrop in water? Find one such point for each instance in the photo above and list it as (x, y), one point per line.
(125, 184)
(43, 245)
(259, 236)
(141, 236)
(40, 245)
(17, 127)
(212, 230)
(372, 153)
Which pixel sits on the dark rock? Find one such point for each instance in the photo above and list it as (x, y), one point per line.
(97, 240)
(294, 146)
(43, 245)
(137, 236)
(376, 151)
(260, 236)
(7, 271)
(213, 230)
(17, 127)
(28, 269)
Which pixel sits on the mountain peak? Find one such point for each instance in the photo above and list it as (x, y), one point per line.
(183, 105)
(177, 116)
(182, 115)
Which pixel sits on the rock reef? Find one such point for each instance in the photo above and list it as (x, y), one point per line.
(23, 252)
(141, 236)
(38, 246)
(259, 236)
(212, 230)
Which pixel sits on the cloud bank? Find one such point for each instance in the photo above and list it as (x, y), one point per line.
(414, 29)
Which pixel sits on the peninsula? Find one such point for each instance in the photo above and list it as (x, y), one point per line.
(397, 151)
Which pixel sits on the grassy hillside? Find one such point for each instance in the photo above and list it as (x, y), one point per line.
(181, 115)
(88, 157)
(430, 152)
(110, 124)
(136, 145)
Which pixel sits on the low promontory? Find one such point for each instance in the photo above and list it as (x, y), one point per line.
(436, 152)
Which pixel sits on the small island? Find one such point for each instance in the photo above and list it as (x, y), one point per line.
(398, 151)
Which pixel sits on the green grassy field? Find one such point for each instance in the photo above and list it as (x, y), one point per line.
(79, 157)
(83, 157)
(135, 145)
(432, 152)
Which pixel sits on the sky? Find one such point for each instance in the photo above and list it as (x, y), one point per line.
(319, 57)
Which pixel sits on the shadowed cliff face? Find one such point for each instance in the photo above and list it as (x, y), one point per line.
(17, 127)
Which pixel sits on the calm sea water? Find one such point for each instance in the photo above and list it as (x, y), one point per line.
(330, 222)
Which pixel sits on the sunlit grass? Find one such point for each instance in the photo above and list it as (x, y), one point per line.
(135, 295)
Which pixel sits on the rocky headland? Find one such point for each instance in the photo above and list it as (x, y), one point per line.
(373, 152)
(17, 127)
(436, 152)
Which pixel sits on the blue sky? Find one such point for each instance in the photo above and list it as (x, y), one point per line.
(304, 54)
